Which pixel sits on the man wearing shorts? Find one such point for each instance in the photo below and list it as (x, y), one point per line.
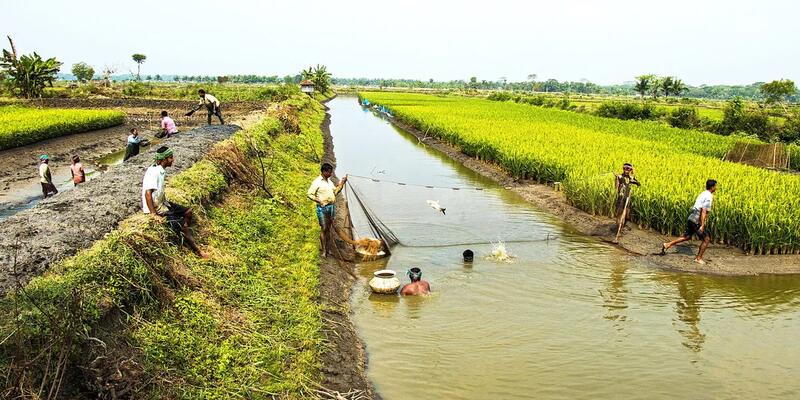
(154, 201)
(696, 223)
(323, 192)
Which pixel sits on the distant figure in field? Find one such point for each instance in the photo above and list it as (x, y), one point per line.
(134, 142)
(168, 127)
(323, 192)
(468, 256)
(76, 169)
(45, 177)
(212, 106)
(696, 223)
(154, 201)
(623, 184)
(417, 285)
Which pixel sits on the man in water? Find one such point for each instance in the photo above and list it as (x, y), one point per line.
(168, 127)
(212, 105)
(417, 285)
(468, 256)
(323, 192)
(154, 201)
(623, 185)
(45, 177)
(696, 223)
(77, 171)
(134, 142)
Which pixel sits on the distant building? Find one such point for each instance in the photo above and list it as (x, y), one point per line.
(307, 86)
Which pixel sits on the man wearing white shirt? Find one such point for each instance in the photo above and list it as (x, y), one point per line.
(211, 104)
(155, 203)
(696, 223)
(323, 192)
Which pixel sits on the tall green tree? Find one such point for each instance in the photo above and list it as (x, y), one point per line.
(322, 78)
(29, 73)
(643, 84)
(139, 59)
(83, 72)
(776, 92)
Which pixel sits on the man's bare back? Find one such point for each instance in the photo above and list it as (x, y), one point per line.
(416, 288)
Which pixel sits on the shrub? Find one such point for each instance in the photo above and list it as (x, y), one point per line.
(684, 117)
(627, 110)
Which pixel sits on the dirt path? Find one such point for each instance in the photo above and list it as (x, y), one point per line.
(59, 226)
(720, 259)
(344, 361)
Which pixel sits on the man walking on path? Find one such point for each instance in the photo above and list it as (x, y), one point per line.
(696, 223)
(45, 178)
(154, 201)
(168, 127)
(212, 105)
(323, 192)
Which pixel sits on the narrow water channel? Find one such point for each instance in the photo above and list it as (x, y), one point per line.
(569, 317)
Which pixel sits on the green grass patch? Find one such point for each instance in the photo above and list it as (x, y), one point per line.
(22, 125)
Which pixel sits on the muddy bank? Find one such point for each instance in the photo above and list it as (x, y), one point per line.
(58, 227)
(344, 360)
(720, 259)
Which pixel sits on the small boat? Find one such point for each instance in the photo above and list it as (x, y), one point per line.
(384, 282)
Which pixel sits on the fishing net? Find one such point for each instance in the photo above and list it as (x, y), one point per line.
(772, 155)
(380, 234)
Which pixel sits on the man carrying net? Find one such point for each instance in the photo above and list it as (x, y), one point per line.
(323, 192)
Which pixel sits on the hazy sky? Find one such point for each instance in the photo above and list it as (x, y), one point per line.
(701, 41)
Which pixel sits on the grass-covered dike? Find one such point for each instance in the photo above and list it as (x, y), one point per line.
(137, 316)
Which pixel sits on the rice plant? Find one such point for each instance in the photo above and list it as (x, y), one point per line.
(22, 125)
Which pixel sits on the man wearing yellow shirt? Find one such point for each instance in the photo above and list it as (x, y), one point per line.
(323, 192)
(211, 104)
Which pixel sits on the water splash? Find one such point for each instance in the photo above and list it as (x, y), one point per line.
(500, 253)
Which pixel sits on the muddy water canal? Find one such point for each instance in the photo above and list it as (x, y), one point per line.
(570, 317)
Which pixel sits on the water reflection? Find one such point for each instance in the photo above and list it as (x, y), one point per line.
(687, 309)
(615, 294)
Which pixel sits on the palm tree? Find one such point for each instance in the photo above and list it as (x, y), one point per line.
(666, 85)
(643, 83)
(678, 87)
(139, 59)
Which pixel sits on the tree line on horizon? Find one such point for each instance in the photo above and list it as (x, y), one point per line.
(675, 87)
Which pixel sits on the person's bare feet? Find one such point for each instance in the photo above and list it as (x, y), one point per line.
(205, 255)
(664, 248)
(699, 261)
